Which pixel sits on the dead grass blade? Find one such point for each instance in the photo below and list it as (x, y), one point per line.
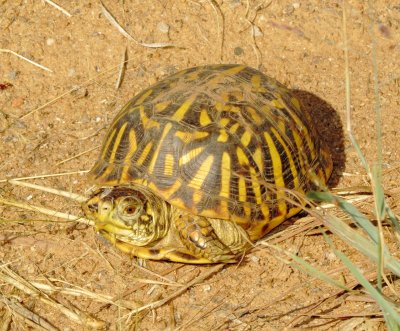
(115, 24)
(30, 317)
(2, 50)
(61, 9)
(197, 280)
(77, 291)
(47, 175)
(75, 315)
(122, 68)
(69, 195)
(78, 155)
(46, 211)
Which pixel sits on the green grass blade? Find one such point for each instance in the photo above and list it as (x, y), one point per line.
(361, 243)
(387, 307)
(352, 211)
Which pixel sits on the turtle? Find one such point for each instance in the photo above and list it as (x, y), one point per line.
(200, 165)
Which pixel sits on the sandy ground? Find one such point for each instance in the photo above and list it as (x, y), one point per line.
(53, 122)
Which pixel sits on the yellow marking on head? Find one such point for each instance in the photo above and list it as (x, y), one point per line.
(132, 150)
(234, 128)
(225, 175)
(243, 160)
(224, 121)
(107, 144)
(289, 156)
(168, 164)
(223, 136)
(242, 189)
(202, 173)
(162, 105)
(278, 175)
(145, 153)
(245, 138)
(254, 116)
(182, 110)
(258, 159)
(143, 97)
(167, 127)
(190, 155)
(204, 118)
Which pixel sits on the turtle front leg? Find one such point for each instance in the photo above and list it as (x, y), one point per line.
(199, 237)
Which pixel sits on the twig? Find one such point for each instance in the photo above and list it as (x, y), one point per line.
(2, 50)
(115, 23)
(46, 175)
(61, 9)
(69, 195)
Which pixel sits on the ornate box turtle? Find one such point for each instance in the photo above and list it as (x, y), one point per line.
(203, 163)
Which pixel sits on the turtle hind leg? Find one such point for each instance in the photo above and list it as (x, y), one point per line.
(199, 237)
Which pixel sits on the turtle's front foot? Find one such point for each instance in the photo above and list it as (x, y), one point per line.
(199, 237)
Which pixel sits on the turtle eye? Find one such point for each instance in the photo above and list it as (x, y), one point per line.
(129, 208)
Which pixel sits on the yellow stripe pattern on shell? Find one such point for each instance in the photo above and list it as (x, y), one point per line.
(220, 141)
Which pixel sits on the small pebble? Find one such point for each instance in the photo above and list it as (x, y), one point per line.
(296, 5)
(238, 51)
(234, 3)
(206, 288)
(71, 72)
(163, 27)
(254, 259)
(257, 31)
(79, 92)
(98, 119)
(13, 74)
(17, 102)
(50, 42)
(29, 197)
(20, 124)
(289, 9)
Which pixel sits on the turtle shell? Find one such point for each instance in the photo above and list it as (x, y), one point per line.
(219, 141)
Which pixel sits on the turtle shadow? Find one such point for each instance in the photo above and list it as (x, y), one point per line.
(329, 127)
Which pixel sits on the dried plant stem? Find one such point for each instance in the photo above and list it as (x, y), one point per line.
(61, 9)
(77, 316)
(69, 195)
(46, 211)
(25, 59)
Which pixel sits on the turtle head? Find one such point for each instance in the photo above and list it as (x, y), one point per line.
(128, 215)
